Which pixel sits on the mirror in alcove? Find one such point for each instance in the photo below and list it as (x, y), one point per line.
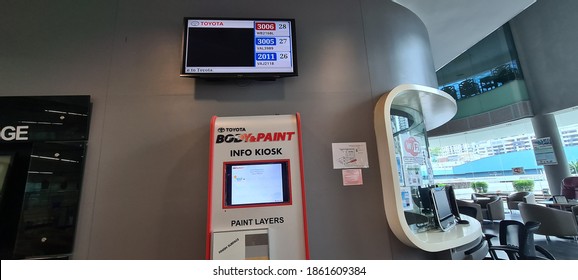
(412, 158)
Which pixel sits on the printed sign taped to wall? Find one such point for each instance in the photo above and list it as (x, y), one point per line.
(544, 152)
(412, 175)
(518, 170)
(350, 155)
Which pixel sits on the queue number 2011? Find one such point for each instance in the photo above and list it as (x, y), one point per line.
(266, 56)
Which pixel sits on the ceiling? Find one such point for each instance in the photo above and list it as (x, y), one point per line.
(456, 25)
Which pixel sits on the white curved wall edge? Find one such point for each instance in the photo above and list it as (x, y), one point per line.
(437, 108)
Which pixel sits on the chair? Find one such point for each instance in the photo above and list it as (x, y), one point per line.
(477, 196)
(554, 222)
(570, 187)
(493, 209)
(517, 241)
(473, 210)
(513, 199)
(530, 199)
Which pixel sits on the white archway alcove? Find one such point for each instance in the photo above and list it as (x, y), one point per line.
(427, 108)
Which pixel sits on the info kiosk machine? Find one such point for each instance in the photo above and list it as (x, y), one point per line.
(256, 191)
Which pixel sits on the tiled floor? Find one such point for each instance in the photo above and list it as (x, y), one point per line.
(562, 249)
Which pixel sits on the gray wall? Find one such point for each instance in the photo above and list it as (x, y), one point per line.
(546, 38)
(145, 186)
(483, 56)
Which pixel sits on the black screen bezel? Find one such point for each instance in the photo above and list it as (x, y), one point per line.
(451, 194)
(444, 222)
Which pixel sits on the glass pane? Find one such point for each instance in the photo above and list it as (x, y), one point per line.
(497, 156)
(50, 203)
(4, 164)
(568, 127)
(412, 159)
(48, 118)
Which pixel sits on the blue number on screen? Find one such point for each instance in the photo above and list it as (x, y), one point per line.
(266, 56)
(265, 41)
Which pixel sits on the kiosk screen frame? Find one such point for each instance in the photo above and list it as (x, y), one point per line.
(256, 183)
(443, 209)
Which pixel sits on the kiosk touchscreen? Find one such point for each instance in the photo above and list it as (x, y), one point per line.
(256, 191)
(257, 183)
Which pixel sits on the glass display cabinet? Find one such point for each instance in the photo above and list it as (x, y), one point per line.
(402, 118)
(43, 142)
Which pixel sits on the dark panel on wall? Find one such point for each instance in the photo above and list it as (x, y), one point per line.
(49, 202)
(48, 118)
(12, 194)
(45, 138)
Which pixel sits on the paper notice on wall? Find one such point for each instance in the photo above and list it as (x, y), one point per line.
(412, 150)
(406, 199)
(399, 170)
(412, 175)
(349, 155)
(544, 152)
(518, 170)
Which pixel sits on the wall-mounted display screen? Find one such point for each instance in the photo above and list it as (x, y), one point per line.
(257, 183)
(239, 48)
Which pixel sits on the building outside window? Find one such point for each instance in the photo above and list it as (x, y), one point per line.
(491, 154)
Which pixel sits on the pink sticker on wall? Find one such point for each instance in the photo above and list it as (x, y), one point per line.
(352, 177)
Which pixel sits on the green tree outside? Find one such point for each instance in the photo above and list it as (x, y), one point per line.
(573, 167)
(480, 187)
(523, 185)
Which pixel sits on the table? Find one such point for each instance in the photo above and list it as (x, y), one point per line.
(563, 206)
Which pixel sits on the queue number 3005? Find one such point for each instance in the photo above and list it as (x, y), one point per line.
(337, 270)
